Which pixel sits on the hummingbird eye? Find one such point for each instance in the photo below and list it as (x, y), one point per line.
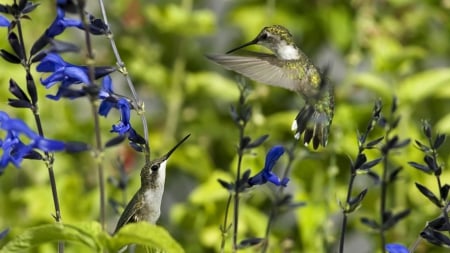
(155, 167)
(263, 36)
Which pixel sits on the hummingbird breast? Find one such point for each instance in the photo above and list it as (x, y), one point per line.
(151, 209)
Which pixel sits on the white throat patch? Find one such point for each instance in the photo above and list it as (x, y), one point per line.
(287, 52)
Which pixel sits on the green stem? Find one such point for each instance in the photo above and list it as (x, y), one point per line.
(225, 224)
(236, 189)
(98, 149)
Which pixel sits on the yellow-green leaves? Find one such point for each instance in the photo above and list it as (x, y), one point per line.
(91, 235)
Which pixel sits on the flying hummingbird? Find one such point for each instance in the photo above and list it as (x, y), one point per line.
(146, 202)
(291, 69)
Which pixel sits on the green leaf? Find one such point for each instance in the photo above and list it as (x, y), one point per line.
(32, 237)
(374, 83)
(424, 84)
(145, 234)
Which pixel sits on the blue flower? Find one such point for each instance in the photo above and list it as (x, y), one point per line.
(67, 74)
(61, 23)
(109, 98)
(123, 126)
(266, 173)
(4, 22)
(63, 72)
(14, 149)
(4, 233)
(396, 248)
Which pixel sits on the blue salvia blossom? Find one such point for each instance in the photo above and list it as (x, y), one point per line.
(67, 75)
(14, 149)
(266, 174)
(4, 22)
(63, 71)
(4, 233)
(61, 23)
(112, 100)
(396, 248)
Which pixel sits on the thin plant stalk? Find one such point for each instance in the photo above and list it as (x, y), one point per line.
(139, 104)
(225, 224)
(98, 149)
(49, 158)
(236, 188)
(345, 215)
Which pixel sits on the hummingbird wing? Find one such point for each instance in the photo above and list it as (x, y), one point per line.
(264, 68)
(129, 213)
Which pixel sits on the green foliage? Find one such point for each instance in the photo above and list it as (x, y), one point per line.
(91, 235)
(374, 49)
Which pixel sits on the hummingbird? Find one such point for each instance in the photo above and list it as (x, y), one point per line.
(288, 67)
(146, 202)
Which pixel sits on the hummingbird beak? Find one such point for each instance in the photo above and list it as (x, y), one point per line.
(253, 42)
(167, 155)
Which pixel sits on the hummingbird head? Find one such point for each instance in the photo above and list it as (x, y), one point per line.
(276, 38)
(153, 174)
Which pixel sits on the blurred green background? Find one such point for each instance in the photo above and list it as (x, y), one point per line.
(373, 49)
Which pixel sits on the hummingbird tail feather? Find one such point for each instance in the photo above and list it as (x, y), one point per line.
(314, 121)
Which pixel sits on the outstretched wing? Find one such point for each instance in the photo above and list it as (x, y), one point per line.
(263, 68)
(129, 214)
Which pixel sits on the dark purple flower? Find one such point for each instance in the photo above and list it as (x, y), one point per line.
(266, 174)
(14, 149)
(396, 248)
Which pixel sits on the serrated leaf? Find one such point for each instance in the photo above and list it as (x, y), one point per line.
(429, 194)
(145, 234)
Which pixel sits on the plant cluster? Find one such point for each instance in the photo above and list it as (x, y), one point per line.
(234, 209)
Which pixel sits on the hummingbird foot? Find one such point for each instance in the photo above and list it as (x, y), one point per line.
(314, 124)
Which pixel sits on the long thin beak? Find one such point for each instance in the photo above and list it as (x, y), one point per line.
(253, 42)
(167, 155)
